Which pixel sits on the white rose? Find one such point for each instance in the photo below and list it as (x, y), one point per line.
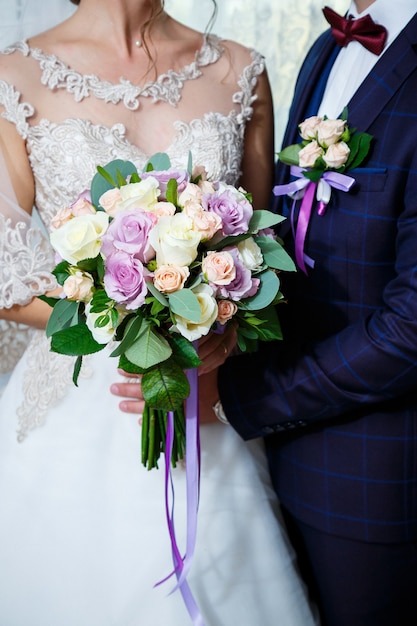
(251, 254)
(336, 155)
(174, 240)
(80, 238)
(209, 311)
(102, 334)
(143, 195)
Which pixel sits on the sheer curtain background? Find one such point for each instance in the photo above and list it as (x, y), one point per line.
(281, 30)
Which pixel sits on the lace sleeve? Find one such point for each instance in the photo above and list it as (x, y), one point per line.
(25, 253)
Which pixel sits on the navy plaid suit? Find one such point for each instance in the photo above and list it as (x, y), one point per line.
(337, 401)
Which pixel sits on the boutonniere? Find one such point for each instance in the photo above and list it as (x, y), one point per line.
(319, 162)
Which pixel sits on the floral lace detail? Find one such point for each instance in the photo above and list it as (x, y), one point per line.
(25, 261)
(15, 112)
(167, 87)
(14, 339)
(46, 381)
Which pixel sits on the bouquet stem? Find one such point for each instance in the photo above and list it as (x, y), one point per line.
(154, 430)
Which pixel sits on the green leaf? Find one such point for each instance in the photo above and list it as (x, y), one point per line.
(275, 255)
(165, 386)
(159, 161)
(314, 175)
(62, 316)
(264, 219)
(268, 327)
(131, 333)
(185, 303)
(183, 351)
(289, 155)
(149, 349)
(267, 291)
(157, 294)
(171, 191)
(77, 370)
(107, 177)
(190, 163)
(61, 272)
(359, 145)
(75, 341)
(49, 300)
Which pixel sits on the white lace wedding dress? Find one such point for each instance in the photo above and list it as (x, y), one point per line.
(83, 536)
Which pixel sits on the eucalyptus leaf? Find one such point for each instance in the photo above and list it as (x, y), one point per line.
(160, 161)
(75, 341)
(275, 255)
(264, 219)
(185, 303)
(165, 386)
(63, 314)
(149, 349)
(157, 294)
(267, 291)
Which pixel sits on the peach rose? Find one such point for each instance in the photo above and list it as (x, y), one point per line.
(64, 215)
(330, 131)
(219, 267)
(205, 222)
(308, 128)
(79, 287)
(82, 207)
(336, 155)
(169, 278)
(226, 310)
(110, 201)
(309, 154)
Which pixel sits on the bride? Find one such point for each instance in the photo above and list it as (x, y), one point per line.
(82, 530)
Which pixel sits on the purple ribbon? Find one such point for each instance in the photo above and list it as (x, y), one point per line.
(182, 565)
(309, 190)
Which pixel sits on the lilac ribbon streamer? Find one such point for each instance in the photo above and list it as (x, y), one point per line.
(192, 464)
(334, 179)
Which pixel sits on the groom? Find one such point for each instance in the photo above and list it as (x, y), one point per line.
(337, 402)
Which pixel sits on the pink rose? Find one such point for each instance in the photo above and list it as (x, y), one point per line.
(129, 231)
(336, 155)
(219, 268)
(169, 278)
(124, 280)
(163, 208)
(309, 154)
(308, 128)
(205, 222)
(79, 287)
(330, 131)
(243, 285)
(226, 310)
(64, 215)
(82, 207)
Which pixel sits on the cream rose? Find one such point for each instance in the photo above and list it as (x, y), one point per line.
(330, 131)
(308, 128)
(209, 310)
(142, 196)
(251, 254)
(174, 240)
(226, 310)
(192, 192)
(336, 155)
(169, 278)
(219, 267)
(79, 286)
(309, 154)
(80, 238)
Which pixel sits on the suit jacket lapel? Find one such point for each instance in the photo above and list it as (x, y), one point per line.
(387, 76)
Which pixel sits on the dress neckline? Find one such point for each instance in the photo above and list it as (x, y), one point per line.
(167, 87)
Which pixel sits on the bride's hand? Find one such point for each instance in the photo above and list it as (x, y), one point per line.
(131, 391)
(214, 348)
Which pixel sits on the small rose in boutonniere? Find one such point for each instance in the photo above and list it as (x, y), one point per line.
(327, 150)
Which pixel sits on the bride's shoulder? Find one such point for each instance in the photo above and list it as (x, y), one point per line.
(14, 61)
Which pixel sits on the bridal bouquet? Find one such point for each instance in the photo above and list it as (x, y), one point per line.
(319, 162)
(151, 261)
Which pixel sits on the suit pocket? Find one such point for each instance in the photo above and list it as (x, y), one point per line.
(368, 179)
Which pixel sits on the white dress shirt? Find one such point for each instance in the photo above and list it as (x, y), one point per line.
(354, 62)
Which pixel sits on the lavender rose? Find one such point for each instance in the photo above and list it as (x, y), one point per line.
(129, 231)
(164, 176)
(232, 207)
(124, 279)
(243, 285)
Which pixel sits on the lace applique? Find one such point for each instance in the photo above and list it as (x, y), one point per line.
(46, 380)
(14, 339)
(167, 87)
(15, 112)
(247, 83)
(25, 261)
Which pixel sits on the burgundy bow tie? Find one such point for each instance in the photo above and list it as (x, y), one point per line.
(372, 36)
